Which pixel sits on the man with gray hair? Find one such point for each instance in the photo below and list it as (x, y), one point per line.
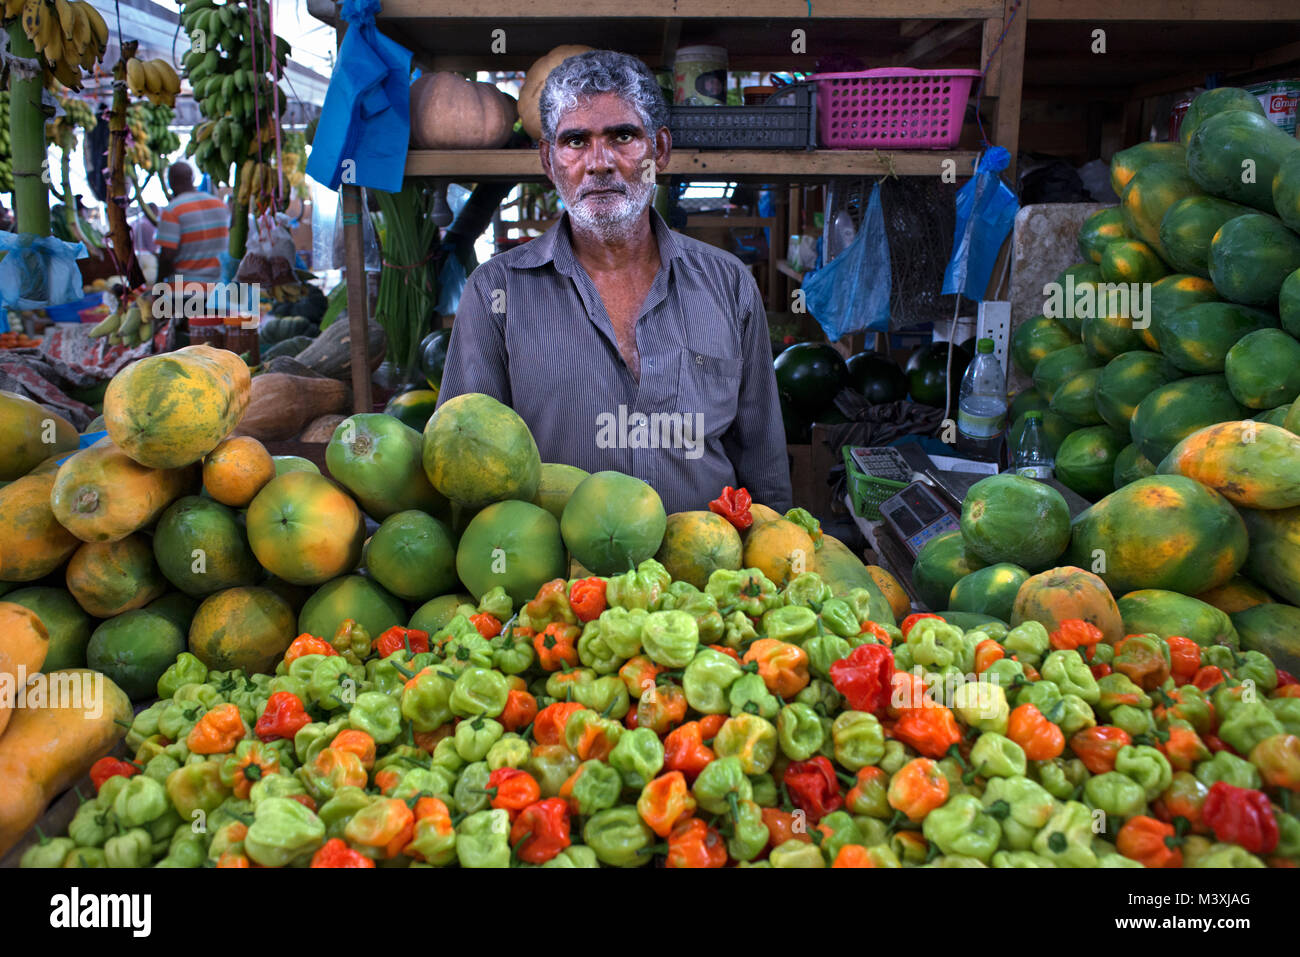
(623, 344)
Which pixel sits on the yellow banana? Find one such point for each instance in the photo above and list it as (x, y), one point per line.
(131, 322)
(68, 73)
(106, 325)
(81, 32)
(97, 25)
(171, 82)
(12, 8)
(152, 81)
(33, 18)
(67, 20)
(53, 50)
(135, 77)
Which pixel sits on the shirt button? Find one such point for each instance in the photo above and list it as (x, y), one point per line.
(699, 360)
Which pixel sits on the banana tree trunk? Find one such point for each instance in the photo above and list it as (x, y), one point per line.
(27, 140)
(238, 217)
(118, 197)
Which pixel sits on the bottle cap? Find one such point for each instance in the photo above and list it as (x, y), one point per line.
(1034, 414)
(984, 346)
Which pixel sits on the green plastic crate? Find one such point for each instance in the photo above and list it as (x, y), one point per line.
(867, 491)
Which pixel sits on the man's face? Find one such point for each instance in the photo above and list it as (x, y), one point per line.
(603, 164)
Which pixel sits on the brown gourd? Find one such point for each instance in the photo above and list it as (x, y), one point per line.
(531, 92)
(449, 112)
(281, 405)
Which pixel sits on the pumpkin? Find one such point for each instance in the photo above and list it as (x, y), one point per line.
(530, 93)
(449, 112)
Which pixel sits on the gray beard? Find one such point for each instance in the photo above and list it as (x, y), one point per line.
(617, 221)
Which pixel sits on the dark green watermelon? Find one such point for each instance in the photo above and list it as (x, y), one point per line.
(809, 374)
(927, 370)
(433, 356)
(877, 377)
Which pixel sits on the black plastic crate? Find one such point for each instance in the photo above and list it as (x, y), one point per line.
(786, 120)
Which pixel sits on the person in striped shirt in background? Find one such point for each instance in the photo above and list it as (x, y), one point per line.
(193, 231)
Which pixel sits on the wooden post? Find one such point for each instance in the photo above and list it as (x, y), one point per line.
(1006, 121)
(118, 197)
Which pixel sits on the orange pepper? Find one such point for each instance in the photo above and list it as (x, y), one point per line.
(692, 843)
(853, 855)
(558, 643)
(520, 710)
(1287, 691)
(430, 814)
(386, 780)
(685, 750)
(1075, 633)
(987, 652)
(878, 632)
(866, 776)
(782, 666)
(1208, 677)
(341, 768)
(513, 790)
(917, 788)
(265, 759)
(1184, 658)
(387, 825)
(1098, 746)
(785, 826)
(359, 743)
(710, 725)
(217, 732)
(661, 708)
(1184, 748)
(664, 801)
(587, 598)
(306, 644)
(729, 652)
(594, 745)
(931, 730)
(1040, 739)
(548, 728)
(1142, 839)
(907, 691)
(233, 858)
(489, 626)
(639, 674)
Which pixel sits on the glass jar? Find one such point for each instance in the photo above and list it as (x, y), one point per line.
(242, 338)
(207, 331)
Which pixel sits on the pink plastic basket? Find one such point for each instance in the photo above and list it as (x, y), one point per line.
(900, 108)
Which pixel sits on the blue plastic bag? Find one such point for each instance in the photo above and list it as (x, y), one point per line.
(851, 294)
(986, 209)
(39, 271)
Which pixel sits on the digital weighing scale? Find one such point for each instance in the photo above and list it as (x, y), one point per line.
(917, 514)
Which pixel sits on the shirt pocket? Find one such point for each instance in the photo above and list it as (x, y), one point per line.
(710, 385)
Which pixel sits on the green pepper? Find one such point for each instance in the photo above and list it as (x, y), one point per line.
(1117, 689)
(1071, 674)
(196, 787)
(749, 695)
(1135, 721)
(475, 737)
(607, 695)
(858, 738)
(85, 857)
(295, 686)
(1028, 641)
(186, 669)
(1227, 767)
(140, 801)
(747, 590)
(1249, 724)
(1147, 766)
(575, 855)
(819, 695)
(982, 705)
(703, 608)
(145, 724)
(510, 751)
(1115, 793)
(274, 785)
(1228, 855)
(401, 757)
(670, 638)
(843, 830)
(764, 788)
(551, 766)
(377, 714)
(579, 723)
(597, 787)
(750, 739)
(479, 691)
(619, 837)
(720, 780)
(1256, 666)
(594, 651)
(48, 852)
(640, 588)
(446, 756)
(838, 617)
(807, 589)
(1220, 656)
(1072, 715)
(1021, 806)
(426, 701)
(1060, 776)
(749, 835)
(739, 631)
(1066, 838)
(874, 831)
(497, 603)
(935, 643)
(799, 730)
(313, 738)
(823, 651)
(796, 853)
(283, 831)
(186, 849)
(638, 757)
(1194, 708)
(1288, 835)
(792, 623)
(339, 809)
(621, 630)
(133, 848)
(962, 826)
(471, 792)
(895, 757)
(1042, 694)
(707, 680)
(566, 685)
(995, 755)
(483, 839)
(382, 674)
(1019, 859)
(512, 653)
(179, 718)
(160, 766)
(1005, 673)
(416, 782)
(326, 687)
(467, 651)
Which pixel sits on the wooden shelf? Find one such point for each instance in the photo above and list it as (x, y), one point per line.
(794, 165)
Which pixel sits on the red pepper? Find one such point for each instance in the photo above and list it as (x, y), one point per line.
(520, 710)
(336, 853)
(1184, 658)
(911, 620)
(587, 598)
(693, 843)
(1208, 677)
(1285, 678)
(106, 768)
(306, 644)
(397, 638)
(877, 631)
(865, 678)
(283, 717)
(685, 750)
(541, 830)
(489, 626)
(733, 505)
(512, 789)
(1241, 816)
(813, 787)
(551, 604)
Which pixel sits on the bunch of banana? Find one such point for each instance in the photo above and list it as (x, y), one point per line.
(6, 154)
(155, 80)
(126, 325)
(70, 35)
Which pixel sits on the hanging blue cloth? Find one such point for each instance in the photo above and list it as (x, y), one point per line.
(851, 293)
(365, 124)
(986, 209)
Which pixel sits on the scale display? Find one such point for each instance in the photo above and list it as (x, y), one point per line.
(917, 514)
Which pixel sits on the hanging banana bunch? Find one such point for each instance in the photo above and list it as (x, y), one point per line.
(69, 35)
(129, 324)
(155, 80)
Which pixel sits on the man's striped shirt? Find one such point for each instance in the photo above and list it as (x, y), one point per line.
(197, 226)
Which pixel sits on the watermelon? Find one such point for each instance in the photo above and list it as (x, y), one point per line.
(988, 591)
(1106, 337)
(1148, 197)
(1131, 465)
(1126, 164)
(1055, 429)
(1156, 611)
(1127, 380)
(1219, 100)
(1188, 227)
(878, 377)
(940, 564)
(1263, 369)
(1036, 338)
(1272, 629)
(1008, 516)
(1251, 256)
(1236, 155)
(1131, 260)
(1286, 191)
(1288, 303)
(1174, 411)
(809, 374)
(1169, 295)
(927, 372)
(1085, 462)
(433, 356)
(1054, 368)
(1197, 339)
(1165, 531)
(1076, 397)
(1101, 228)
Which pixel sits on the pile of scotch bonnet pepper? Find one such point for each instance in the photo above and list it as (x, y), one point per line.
(636, 721)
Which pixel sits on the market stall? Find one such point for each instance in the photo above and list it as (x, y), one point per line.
(999, 566)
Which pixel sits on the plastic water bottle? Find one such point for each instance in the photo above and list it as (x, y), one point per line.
(1032, 459)
(982, 406)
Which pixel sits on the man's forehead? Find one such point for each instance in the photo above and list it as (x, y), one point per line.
(605, 110)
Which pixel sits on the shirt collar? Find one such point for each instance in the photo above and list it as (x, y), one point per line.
(554, 246)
